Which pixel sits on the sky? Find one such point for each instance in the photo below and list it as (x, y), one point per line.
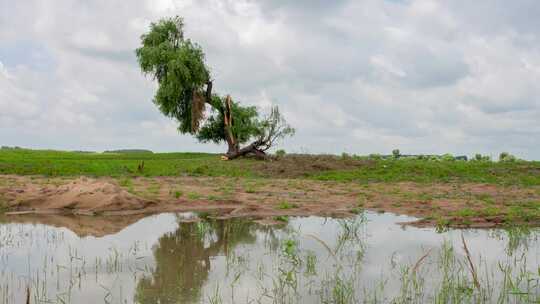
(360, 77)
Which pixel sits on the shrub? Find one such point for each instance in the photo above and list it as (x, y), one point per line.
(507, 157)
(345, 155)
(375, 156)
(280, 153)
(448, 157)
(396, 153)
(481, 158)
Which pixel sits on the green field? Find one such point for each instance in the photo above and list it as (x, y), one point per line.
(320, 167)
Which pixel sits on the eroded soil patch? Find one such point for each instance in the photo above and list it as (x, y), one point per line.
(456, 205)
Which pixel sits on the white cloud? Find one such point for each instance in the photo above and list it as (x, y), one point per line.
(381, 62)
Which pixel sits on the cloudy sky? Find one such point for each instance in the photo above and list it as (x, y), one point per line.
(360, 77)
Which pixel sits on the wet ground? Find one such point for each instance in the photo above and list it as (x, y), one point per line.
(183, 258)
(445, 205)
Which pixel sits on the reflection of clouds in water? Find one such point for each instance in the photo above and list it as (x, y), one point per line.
(168, 253)
(34, 243)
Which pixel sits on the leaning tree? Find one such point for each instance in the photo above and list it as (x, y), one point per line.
(185, 90)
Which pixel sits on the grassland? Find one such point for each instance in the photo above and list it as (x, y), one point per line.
(317, 167)
(442, 192)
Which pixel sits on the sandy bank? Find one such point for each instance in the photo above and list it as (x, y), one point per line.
(435, 204)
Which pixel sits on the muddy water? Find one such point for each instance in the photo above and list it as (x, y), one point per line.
(173, 258)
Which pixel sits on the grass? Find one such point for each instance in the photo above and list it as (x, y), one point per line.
(363, 178)
(3, 205)
(282, 218)
(286, 205)
(466, 212)
(194, 196)
(425, 171)
(127, 183)
(154, 188)
(356, 210)
(59, 163)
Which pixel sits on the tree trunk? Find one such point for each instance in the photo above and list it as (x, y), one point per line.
(234, 150)
(250, 149)
(227, 116)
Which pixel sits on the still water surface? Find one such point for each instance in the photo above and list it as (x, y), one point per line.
(170, 258)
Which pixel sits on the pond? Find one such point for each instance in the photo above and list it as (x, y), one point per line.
(180, 258)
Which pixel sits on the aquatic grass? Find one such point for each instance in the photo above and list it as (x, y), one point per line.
(338, 290)
(311, 264)
(297, 271)
(215, 297)
(357, 210)
(282, 218)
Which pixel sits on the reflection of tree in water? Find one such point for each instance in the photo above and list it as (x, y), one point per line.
(183, 259)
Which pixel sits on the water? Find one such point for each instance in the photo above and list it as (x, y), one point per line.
(170, 258)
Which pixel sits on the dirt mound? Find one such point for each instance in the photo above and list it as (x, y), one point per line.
(300, 165)
(83, 195)
(456, 205)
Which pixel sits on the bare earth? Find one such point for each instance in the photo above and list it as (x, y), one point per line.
(264, 199)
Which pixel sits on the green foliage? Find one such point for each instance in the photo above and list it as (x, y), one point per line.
(396, 153)
(290, 247)
(375, 156)
(184, 88)
(178, 66)
(245, 123)
(448, 157)
(280, 153)
(480, 157)
(507, 157)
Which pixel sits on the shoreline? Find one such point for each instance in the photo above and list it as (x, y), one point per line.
(435, 205)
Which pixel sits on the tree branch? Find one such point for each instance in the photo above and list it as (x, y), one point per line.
(209, 92)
